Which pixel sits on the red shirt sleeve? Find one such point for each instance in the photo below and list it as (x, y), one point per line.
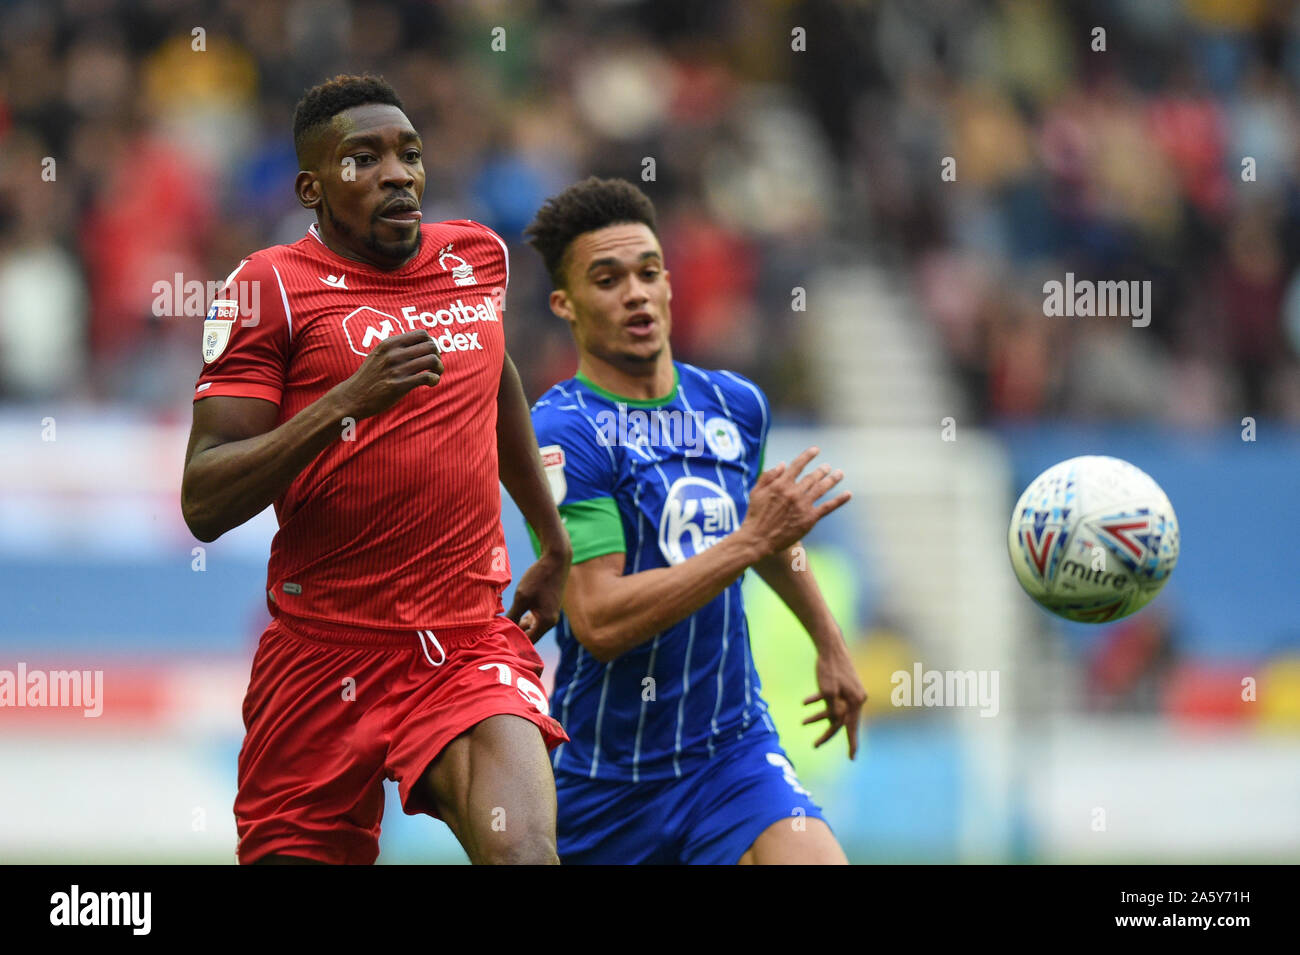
(246, 336)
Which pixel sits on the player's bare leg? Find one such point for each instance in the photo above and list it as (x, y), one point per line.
(494, 787)
(781, 843)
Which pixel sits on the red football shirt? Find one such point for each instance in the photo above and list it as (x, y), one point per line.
(396, 525)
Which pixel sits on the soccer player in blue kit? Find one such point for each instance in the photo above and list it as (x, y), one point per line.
(657, 468)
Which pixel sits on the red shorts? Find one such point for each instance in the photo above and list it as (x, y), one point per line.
(330, 714)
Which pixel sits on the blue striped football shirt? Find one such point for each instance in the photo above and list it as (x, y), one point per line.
(659, 481)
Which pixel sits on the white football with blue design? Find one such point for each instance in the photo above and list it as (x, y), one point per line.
(1093, 539)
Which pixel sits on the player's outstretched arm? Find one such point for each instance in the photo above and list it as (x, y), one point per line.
(536, 607)
(238, 462)
(787, 573)
(611, 612)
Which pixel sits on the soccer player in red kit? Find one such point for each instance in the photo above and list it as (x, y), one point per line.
(358, 379)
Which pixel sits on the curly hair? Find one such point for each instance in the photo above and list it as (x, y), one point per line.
(584, 207)
(322, 103)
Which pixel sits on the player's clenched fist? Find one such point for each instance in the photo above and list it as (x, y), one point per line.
(393, 367)
(783, 507)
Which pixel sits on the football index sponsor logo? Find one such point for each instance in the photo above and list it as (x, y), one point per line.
(103, 908)
(366, 327)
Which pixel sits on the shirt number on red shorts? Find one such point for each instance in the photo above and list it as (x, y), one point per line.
(529, 690)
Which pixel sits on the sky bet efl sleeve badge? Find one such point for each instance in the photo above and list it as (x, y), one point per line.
(553, 464)
(216, 328)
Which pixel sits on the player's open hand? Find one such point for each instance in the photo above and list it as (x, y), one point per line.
(536, 607)
(394, 366)
(783, 507)
(840, 689)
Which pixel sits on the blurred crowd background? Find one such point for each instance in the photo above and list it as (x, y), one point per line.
(1120, 163)
(146, 140)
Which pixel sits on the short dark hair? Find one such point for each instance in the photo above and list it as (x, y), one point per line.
(322, 103)
(584, 207)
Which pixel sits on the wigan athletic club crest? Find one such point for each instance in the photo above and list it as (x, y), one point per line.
(216, 328)
(723, 438)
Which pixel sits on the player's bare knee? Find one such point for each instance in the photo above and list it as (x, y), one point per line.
(521, 836)
(532, 849)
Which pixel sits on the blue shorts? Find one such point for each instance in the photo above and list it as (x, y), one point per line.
(708, 817)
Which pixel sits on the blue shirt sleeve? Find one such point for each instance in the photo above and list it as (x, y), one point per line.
(582, 473)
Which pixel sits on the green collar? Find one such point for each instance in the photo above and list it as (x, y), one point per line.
(633, 402)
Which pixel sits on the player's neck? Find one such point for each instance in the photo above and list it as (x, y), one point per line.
(656, 384)
(364, 256)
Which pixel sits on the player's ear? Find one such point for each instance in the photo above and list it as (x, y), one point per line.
(668, 282)
(308, 189)
(561, 307)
